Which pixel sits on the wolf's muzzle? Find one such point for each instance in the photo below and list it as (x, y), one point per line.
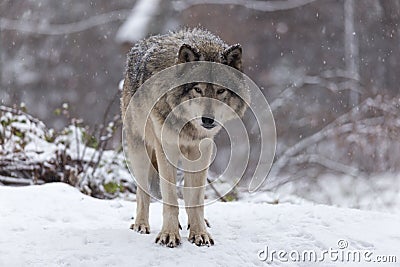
(208, 122)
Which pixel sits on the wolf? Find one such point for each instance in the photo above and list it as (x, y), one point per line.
(203, 120)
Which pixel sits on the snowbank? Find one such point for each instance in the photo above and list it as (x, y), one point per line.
(56, 225)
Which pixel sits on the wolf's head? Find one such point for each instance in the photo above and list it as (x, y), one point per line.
(210, 105)
(231, 56)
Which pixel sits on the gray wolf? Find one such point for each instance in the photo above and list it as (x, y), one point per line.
(145, 59)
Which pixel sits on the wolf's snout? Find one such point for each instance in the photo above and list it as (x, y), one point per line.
(208, 122)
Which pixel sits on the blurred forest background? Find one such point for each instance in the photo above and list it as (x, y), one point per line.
(329, 69)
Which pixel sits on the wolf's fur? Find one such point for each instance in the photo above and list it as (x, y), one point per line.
(144, 60)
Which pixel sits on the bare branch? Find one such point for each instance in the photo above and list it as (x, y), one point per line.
(323, 81)
(60, 29)
(15, 181)
(266, 6)
(339, 125)
(336, 73)
(327, 163)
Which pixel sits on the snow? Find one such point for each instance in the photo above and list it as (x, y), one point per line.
(56, 225)
(377, 192)
(28, 144)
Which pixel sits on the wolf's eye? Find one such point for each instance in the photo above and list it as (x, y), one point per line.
(197, 89)
(220, 91)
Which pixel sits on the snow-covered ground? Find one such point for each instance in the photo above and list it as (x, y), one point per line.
(377, 192)
(56, 225)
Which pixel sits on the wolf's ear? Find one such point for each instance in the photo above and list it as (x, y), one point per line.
(187, 54)
(232, 56)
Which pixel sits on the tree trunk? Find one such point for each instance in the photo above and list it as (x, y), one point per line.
(351, 49)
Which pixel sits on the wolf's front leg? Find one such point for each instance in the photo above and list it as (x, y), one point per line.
(193, 193)
(140, 165)
(169, 234)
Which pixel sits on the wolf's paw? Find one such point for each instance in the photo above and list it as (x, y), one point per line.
(201, 238)
(142, 228)
(205, 221)
(169, 238)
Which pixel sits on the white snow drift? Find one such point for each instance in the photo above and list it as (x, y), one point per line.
(56, 225)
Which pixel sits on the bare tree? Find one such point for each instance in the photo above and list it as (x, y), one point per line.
(147, 17)
(351, 48)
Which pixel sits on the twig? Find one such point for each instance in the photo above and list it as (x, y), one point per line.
(76, 138)
(223, 199)
(87, 142)
(104, 139)
(103, 144)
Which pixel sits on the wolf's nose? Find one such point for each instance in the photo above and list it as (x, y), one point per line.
(208, 122)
